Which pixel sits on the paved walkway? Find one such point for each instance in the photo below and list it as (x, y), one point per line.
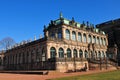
(51, 75)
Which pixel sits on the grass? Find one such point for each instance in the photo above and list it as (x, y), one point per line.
(113, 75)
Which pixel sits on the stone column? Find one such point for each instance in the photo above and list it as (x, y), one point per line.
(76, 36)
(63, 33)
(82, 37)
(57, 52)
(48, 51)
(70, 35)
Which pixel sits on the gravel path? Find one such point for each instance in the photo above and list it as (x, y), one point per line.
(51, 75)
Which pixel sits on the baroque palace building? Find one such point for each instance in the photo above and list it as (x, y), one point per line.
(66, 46)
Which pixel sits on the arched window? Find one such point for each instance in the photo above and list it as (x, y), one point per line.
(96, 54)
(52, 35)
(67, 34)
(61, 53)
(52, 52)
(75, 53)
(68, 53)
(73, 35)
(81, 54)
(89, 39)
(79, 37)
(104, 41)
(102, 55)
(94, 39)
(99, 54)
(84, 37)
(86, 54)
(59, 35)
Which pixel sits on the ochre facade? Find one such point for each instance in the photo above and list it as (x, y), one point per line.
(66, 46)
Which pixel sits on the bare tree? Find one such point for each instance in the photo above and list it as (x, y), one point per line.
(7, 42)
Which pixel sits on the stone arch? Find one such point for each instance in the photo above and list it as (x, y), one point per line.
(52, 52)
(61, 53)
(79, 37)
(67, 32)
(84, 38)
(69, 54)
(86, 54)
(80, 53)
(75, 54)
(89, 38)
(73, 35)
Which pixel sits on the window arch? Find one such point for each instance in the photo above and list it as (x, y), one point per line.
(100, 41)
(84, 37)
(61, 53)
(99, 54)
(89, 39)
(96, 54)
(104, 41)
(94, 39)
(52, 35)
(79, 37)
(67, 34)
(52, 52)
(73, 35)
(102, 55)
(75, 53)
(81, 53)
(86, 54)
(59, 35)
(69, 53)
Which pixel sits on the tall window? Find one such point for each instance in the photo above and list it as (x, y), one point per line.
(99, 54)
(52, 35)
(86, 54)
(102, 55)
(89, 39)
(67, 34)
(104, 41)
(52, 52)
(73, 35)
(79, 37)
(75, 53)
(84, 37)
(96, 54)
(61, 53)
(80, 54)
(94, 39)
(69, 53)
(59, 35)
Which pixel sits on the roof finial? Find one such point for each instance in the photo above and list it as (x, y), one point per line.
(61, 15)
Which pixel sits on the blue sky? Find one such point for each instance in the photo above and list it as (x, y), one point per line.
(23, 19)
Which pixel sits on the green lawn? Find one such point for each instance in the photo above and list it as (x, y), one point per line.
(113, 75)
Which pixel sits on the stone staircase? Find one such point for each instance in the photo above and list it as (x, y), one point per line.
(102, 64)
